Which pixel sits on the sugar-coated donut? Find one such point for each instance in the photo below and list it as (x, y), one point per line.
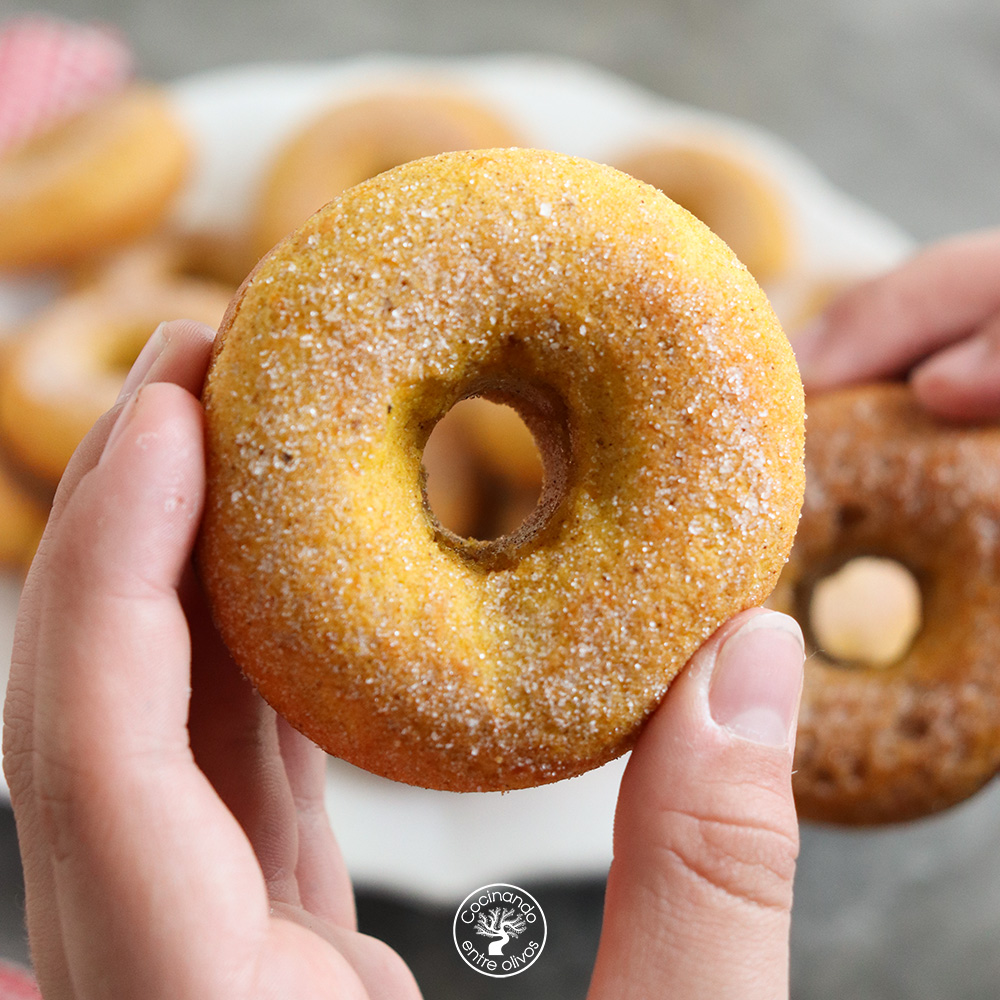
(97, 179)
(665, 402)
(728, 191)
(884, 742)
(66, 368)
(358, 139)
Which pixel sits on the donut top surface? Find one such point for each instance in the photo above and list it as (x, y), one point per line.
(665, 401)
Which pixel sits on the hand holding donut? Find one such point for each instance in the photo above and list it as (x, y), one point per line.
(173, 849)
(936, 317)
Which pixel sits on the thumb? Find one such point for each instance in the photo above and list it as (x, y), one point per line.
(700, 890)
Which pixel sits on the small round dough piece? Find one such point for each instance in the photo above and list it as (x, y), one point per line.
(665, 401)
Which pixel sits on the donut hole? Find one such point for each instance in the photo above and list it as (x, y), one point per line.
(867, 612)
(483, 471)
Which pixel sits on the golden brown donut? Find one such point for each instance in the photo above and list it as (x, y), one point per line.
(97, 179)
(667, 407)
(66, 368)
(730, 193)
(893, 741)
(23, 505)
(358, 139)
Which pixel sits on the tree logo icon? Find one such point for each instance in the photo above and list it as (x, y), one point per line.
(510, 919)
(501, 924)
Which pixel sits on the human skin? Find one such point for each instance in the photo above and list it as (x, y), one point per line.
(934, 320)
(173, 829)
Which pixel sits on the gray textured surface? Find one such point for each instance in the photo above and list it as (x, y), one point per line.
(898, 102)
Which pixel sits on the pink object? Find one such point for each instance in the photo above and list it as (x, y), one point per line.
(51, 68)
(17, 983)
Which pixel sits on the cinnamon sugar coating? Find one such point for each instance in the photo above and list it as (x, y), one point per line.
(665, 400)
(883, 743)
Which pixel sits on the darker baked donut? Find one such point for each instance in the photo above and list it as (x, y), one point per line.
(666, 405)
(894, 741)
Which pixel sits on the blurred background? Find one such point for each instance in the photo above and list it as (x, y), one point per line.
(897, 104)
(894, 100)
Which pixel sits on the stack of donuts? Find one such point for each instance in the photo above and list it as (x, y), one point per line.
(84, 201)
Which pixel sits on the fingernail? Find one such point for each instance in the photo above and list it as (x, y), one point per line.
(121, 423)
(152, 349)
(757, 680)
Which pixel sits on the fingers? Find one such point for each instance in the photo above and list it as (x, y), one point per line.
(883, 327)
(118, 794)
(272, 779)
(962, 382)
(700, 889)
(183, 359)
(323, 883)
(235, 743)
(110, 800)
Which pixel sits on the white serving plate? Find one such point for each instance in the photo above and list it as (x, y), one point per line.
(439, 845)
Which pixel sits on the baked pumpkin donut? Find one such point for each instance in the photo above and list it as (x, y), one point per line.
(23, 506)
(730, 193)
(358, 139)
(665, 402)
(67, 367)
(884, 738)
(95, 180)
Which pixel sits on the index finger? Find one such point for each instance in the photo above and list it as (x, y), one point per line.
(883, 327)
